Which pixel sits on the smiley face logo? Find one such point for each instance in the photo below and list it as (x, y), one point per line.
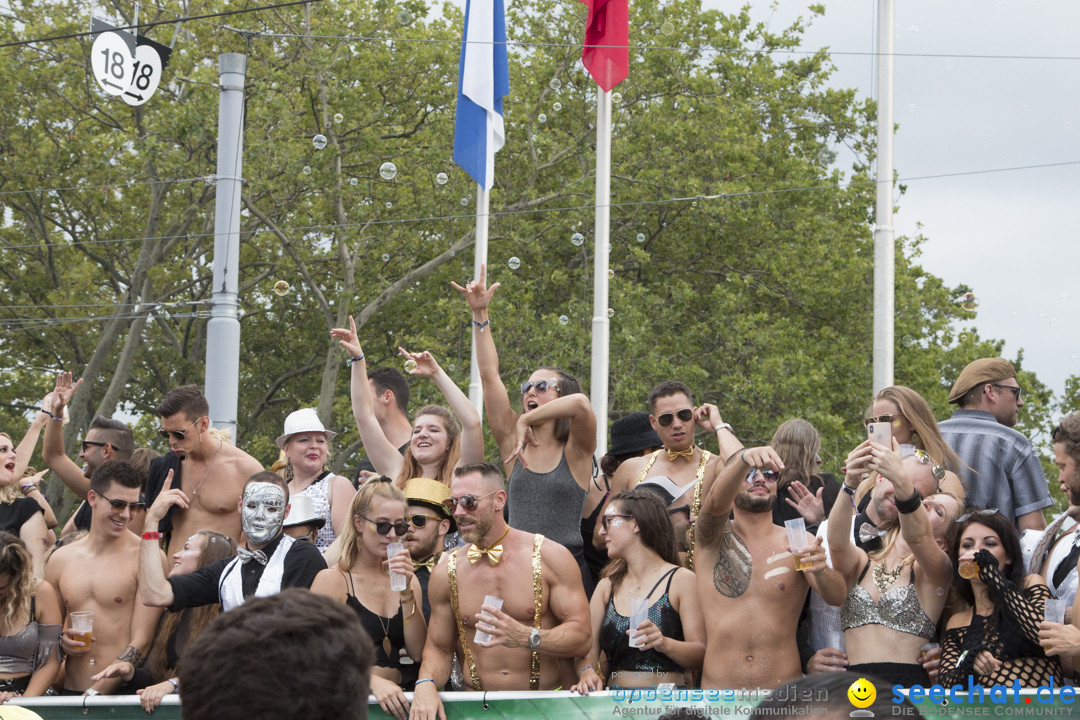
(862, 693)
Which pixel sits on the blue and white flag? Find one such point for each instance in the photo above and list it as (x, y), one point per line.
(484, 80)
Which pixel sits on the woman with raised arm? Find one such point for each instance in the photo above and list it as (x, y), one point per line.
(548, 447)
(439, 443)
(30, 623)
(895, 594)
(20, 515)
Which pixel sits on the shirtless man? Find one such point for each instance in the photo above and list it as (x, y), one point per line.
(673, 415)
(211, 471)
(100, 573)
(746, 576)
(459, 583)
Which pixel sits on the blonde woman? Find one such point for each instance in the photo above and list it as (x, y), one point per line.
(20, 515)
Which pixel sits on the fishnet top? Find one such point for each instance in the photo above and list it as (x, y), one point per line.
(1010, 633)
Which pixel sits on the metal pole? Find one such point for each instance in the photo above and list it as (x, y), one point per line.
(884, 245)
(476, 389)
(223, 329)
(601, 325)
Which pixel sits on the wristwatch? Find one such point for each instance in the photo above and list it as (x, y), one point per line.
(724, 426)
(534, 639)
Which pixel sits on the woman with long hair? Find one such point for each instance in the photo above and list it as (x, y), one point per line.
(798, 444)
(644, 566)
(996, 639)
(361, 580)
(176, 631)
(895, 594)
(913, 423)
(20, 515)
(548, 448)
(30, 624)
(442, 438)
(306, 446)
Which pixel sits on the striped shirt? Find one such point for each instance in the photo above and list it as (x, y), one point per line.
(1000, 468)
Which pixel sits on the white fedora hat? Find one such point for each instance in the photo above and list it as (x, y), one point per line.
(302, 512)
(303, 420)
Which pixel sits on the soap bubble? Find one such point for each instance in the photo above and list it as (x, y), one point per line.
(464, 201)
(940, 592)
(968, 301)
(404, 17)
(667, 28)
(555, 83)
(640, 237)
(354, 182)
(557, 107)
(541, 118)
(319, 141)
(281, 287)
(610, 274)
(963, 337)
(563, 320)
(616, 98)
(389, 204)
(451, 367)
(339, 118)
(307, 170)
(385, 257)
(610, 312)
(442, 178)
(410, 365)
(514, 262)
(578, 239)
(388, 171)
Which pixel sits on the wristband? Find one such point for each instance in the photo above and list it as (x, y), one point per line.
(51, 416)
(151, 536)
(407, 597)
(587, 667)
(91, 692)
(351, 360)
(175, 685)
(481, 325)
(910, 505)
(28, 487)
(424, 680)
(743, 459)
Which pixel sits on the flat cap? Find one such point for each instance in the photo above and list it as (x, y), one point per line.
(980, 372)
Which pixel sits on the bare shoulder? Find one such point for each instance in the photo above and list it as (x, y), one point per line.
(330, 582)
(242, 461)
(959, 619)
(684, 579)
(556, 555)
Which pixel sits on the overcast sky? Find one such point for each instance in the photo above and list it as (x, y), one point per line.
(1006, 234)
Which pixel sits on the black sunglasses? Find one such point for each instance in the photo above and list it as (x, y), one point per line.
(91, 443)
(418, 521)
(683, 508)
(1060, 434)
(610, 516)
(1016, 389)
(468, 502)
(178, 434)
(686, 415)
(540, 385)
(383, 528)
(120, 505)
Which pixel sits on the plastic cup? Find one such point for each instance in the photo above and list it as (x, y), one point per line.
(1055, 610)
(836, 640)
(968, 569)
(398, 582)
(639, 613)
(796, 535)
(925, 649)
(82, 622)
(495, 602)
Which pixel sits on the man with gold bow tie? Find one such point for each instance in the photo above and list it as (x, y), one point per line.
(429, 522)
(544, 614)
(673, 415)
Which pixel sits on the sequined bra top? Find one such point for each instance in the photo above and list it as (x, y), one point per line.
(898, 609)
(615, 642)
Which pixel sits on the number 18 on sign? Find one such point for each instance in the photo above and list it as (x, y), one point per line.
(127, 66)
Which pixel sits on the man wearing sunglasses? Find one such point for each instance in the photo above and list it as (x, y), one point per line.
(999, 467)
(211, 471)
(531, 630)
(100, 574)
(106, 439)
(267, 562)
(429, 522)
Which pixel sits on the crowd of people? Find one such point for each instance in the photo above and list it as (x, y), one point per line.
(927, 559)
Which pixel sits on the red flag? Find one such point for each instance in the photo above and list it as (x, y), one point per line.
(606, 54)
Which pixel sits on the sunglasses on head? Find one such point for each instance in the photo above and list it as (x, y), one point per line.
(924, 457)
(540, 385)
(610, 516)
(468, 502)
(1060, 434)
(120, 505)
(91, 443)
(976, 514)
(383, 527)
(178, 435)
(886, 418)
(665, 419)
(419, 520)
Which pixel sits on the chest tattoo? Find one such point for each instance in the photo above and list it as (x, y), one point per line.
(731, 575)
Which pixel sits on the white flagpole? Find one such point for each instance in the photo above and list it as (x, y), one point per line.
(601, 325)
(476, 389)
(884, 243)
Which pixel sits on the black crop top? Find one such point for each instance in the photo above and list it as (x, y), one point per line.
(616, 643)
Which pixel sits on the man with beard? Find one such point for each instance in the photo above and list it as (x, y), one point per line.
(429, 522)
(678, 509)
(673, 415)
(1054, 554)
(269, 561)
(746, 575)
(210, 470)
(544, 614)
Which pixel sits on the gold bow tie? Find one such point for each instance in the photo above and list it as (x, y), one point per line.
(430, 563)
(673, 455)
(493, 551)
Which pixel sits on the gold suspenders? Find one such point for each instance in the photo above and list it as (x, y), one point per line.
(695, 506)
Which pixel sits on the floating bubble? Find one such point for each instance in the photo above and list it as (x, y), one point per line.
(386, 257)
(541, 118)
(555, 83)
(667, 28)
(968, 301)
(388, 171)
(963, 337)
(908, 341)
(319, 141)
(640, 237)
(514, 262)
(442, 178)
(563, 320)
(578, 239)
(610, 274)
(464, 201)
(281, 287)
(557, 107)
(452, 253)
(804, 87)
(307, 170)
(940, 592)
(451, 367)
(354, 182)
(610, 312)
(404, 17)
(616, 98)
(339, 118)
(410, 365)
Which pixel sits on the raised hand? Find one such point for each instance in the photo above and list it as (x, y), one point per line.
(809, 505)
(476, 292)
(61, 394)
(348, 339)
(168, 497)
(425, 363)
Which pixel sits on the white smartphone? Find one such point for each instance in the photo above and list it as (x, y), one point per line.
(880, 432)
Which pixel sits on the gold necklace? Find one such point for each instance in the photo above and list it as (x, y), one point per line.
(208, 468)
(884, 579)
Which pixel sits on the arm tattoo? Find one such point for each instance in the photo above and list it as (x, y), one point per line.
(132, 656)
(734, 566)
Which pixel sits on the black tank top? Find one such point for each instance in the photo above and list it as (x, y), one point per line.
(378, 627)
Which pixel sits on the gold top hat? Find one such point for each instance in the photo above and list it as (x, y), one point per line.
(430, 493)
